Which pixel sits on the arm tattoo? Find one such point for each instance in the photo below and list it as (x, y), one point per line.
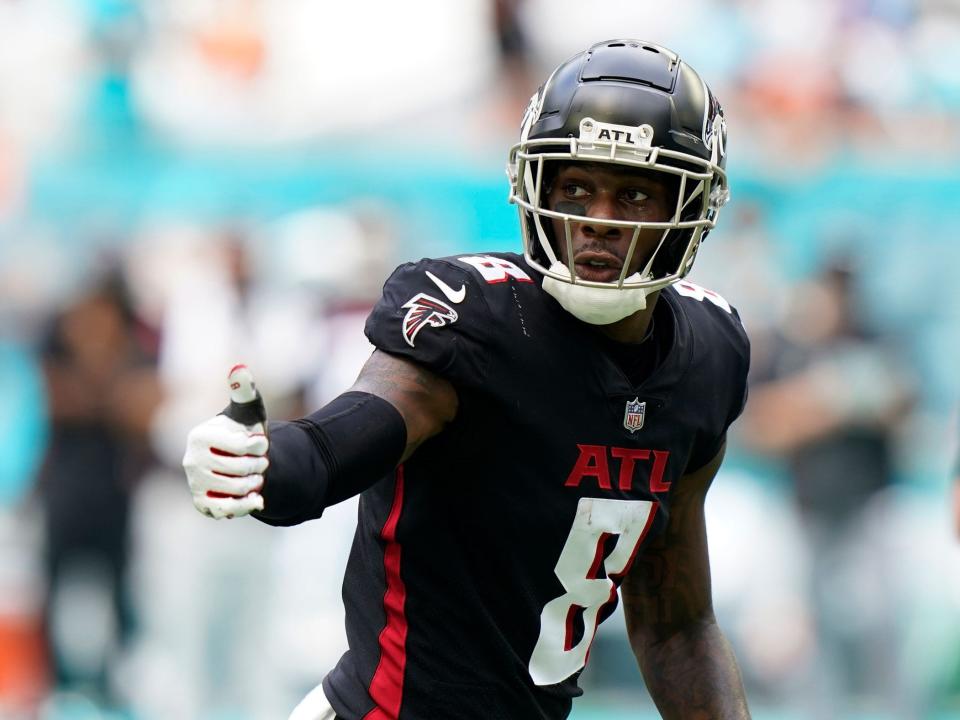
(687, 663)
(426, 401)
(694, 676)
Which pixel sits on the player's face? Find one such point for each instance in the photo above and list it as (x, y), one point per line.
(607, 192)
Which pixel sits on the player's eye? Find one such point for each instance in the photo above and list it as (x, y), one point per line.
(633, 195)
(574, 190)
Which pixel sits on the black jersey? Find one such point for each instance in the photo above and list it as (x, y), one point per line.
(481, 568)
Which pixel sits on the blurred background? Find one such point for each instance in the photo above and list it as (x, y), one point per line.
(187, 183)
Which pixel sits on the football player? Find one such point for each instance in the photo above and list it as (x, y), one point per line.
(534, 435)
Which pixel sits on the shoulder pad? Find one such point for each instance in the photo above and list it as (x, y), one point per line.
(710, 311)
(434, 313)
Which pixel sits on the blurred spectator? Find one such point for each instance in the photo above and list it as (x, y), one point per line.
(828, 398)
(513, 53)
(513, 77)
(99, 363)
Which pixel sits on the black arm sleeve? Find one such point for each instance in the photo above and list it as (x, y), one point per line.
(335, 453)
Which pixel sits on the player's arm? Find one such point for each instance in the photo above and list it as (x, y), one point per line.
(394, 406)
(687, 663)
(425, 400)
(299, 468)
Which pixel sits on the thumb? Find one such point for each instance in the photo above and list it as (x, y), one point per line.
(246, 405)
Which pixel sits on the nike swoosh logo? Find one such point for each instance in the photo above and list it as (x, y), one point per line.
(454, 296)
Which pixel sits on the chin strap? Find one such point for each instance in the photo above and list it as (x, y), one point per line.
(594, 305)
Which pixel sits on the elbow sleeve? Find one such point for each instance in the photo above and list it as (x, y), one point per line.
(324, 458)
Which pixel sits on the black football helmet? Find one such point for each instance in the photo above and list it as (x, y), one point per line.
(628, 103)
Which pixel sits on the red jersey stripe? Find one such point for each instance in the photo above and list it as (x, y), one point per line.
(386, 688)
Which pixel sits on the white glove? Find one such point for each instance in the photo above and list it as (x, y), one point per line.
(225, 459)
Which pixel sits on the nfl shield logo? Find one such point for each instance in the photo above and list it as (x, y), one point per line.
(633, 416)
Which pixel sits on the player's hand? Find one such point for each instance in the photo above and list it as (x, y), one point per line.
(227, 455)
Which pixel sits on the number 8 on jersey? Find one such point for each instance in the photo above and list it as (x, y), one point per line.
(555, 658)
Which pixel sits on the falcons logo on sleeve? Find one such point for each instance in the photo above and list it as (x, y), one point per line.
(425, 310)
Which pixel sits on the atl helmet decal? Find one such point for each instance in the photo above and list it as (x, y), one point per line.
(634, 414)
(593, 133)
(425, 310)
(532, 112)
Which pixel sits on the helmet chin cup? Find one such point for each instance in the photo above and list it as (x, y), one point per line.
(594, 305)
